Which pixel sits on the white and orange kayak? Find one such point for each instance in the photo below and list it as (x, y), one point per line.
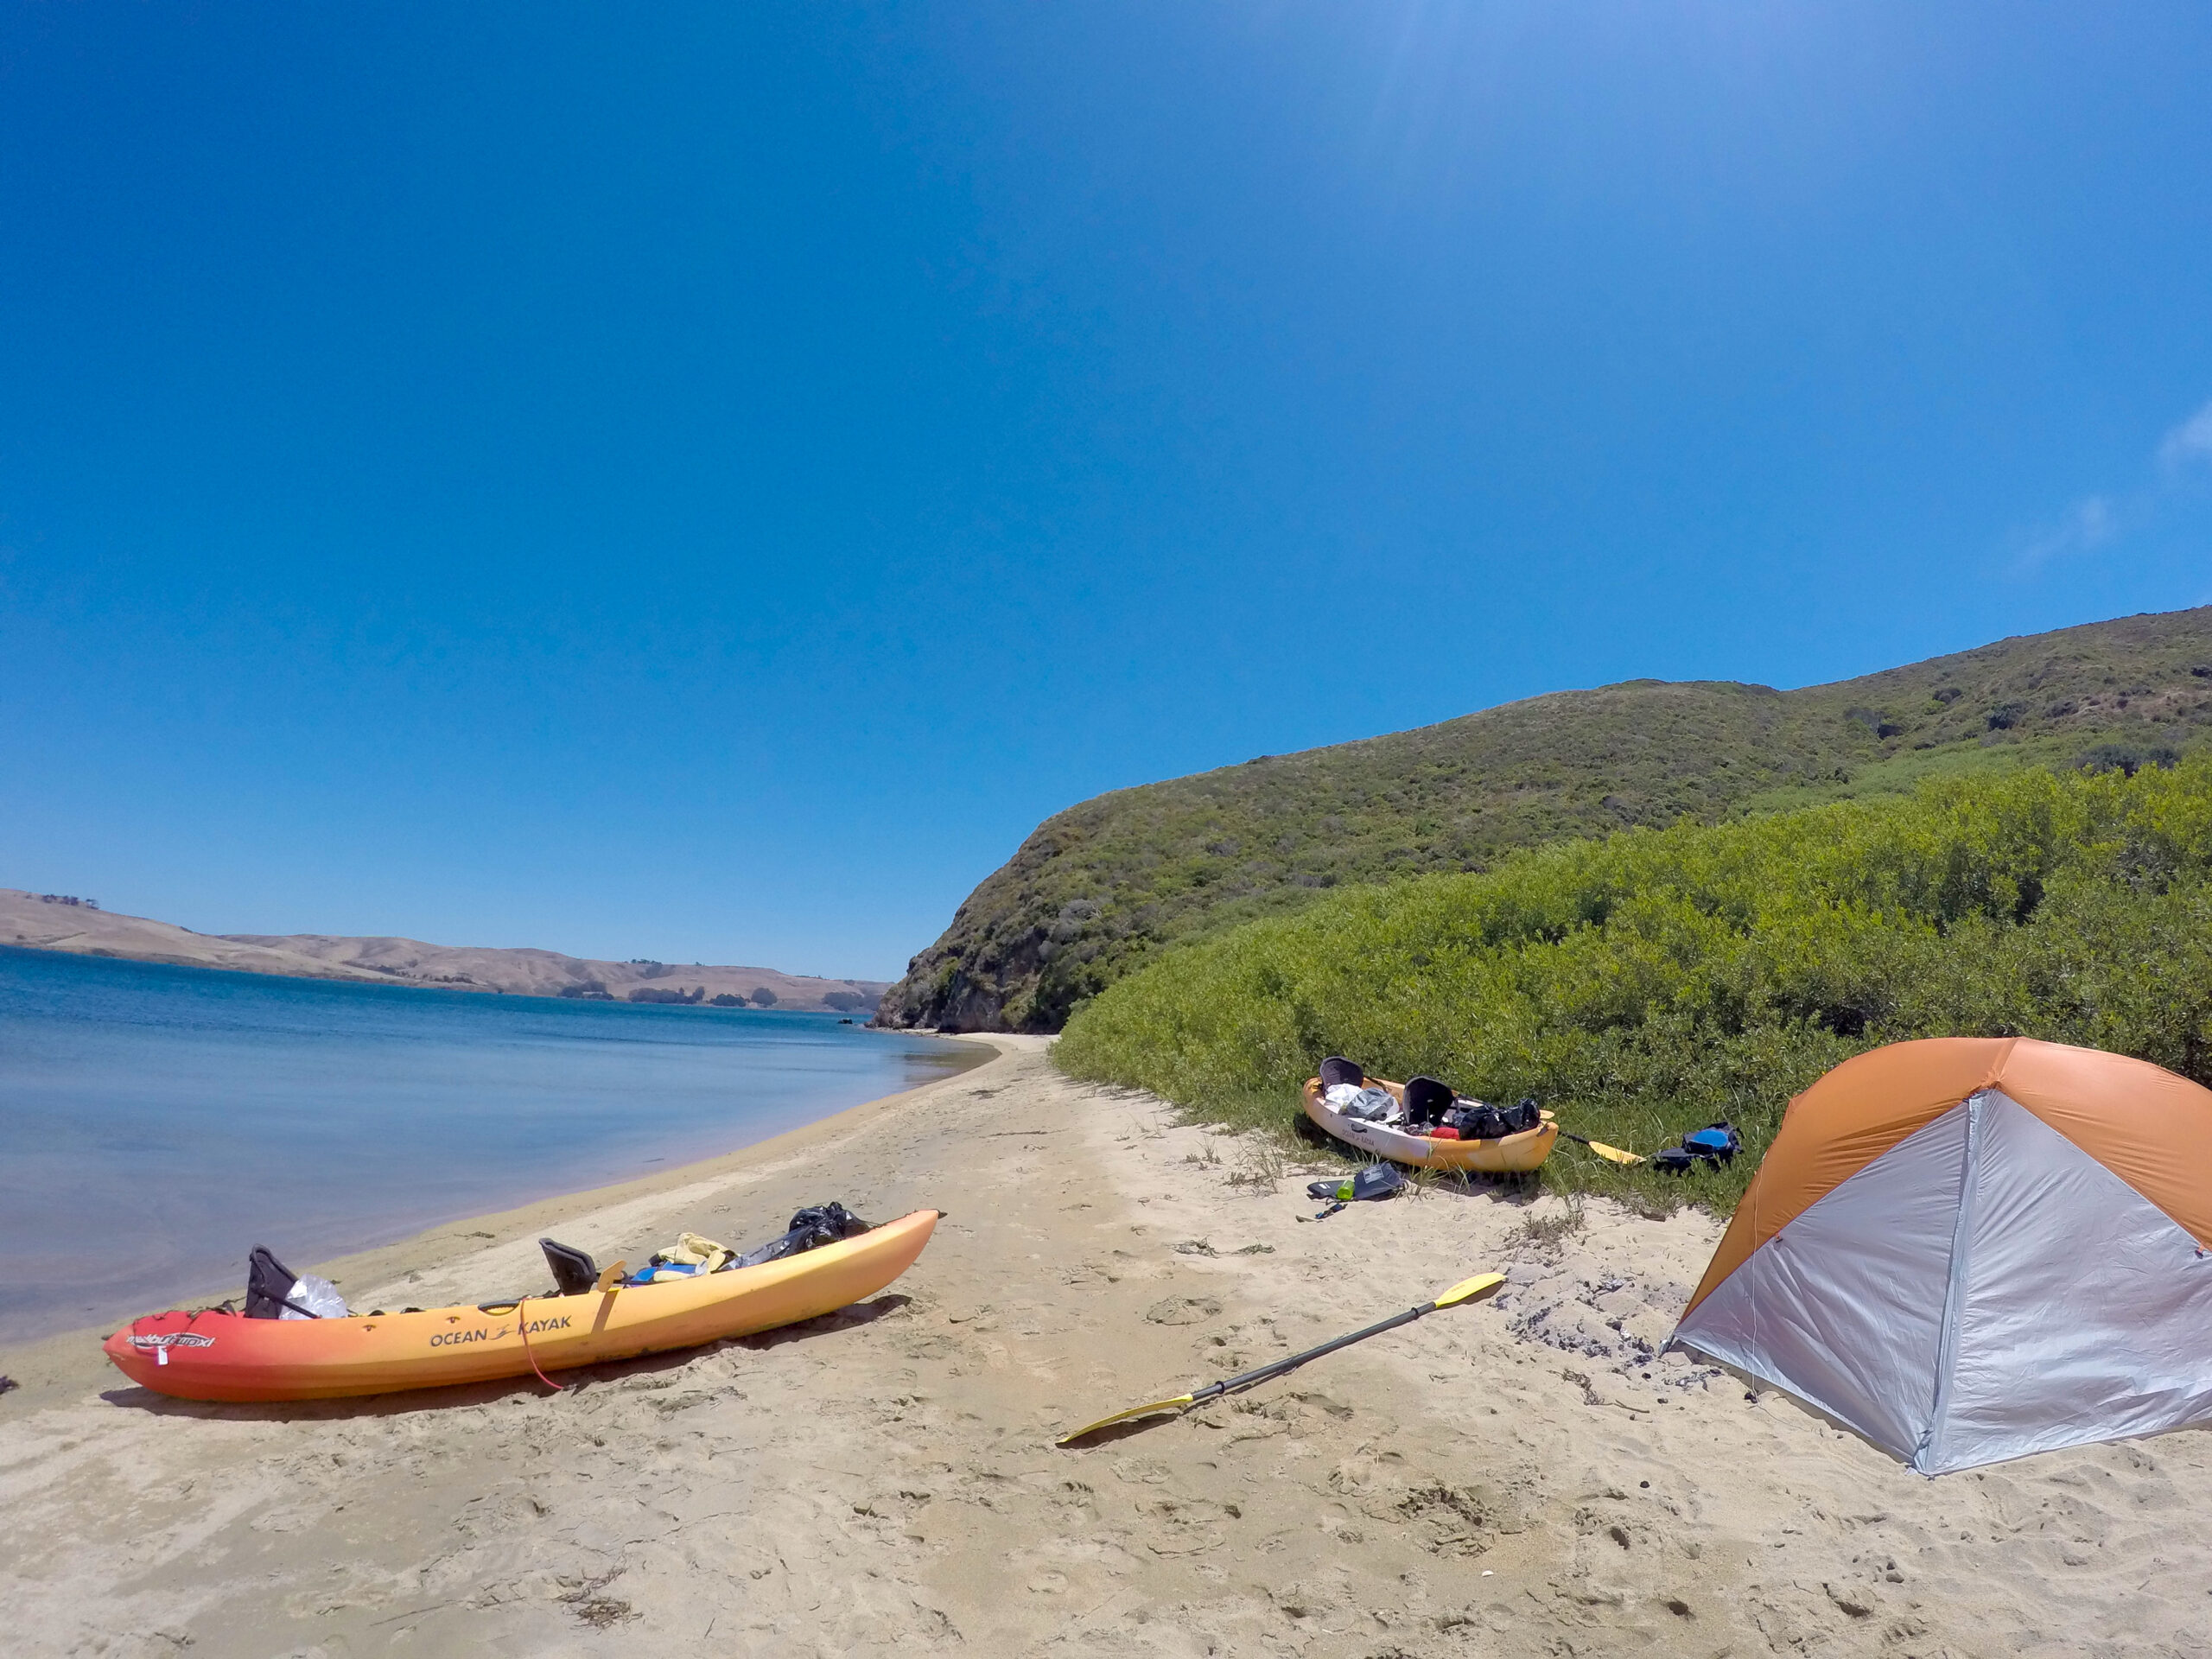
(221, 1355)
(1508, 1154)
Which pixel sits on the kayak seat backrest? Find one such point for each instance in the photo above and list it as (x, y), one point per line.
(574, 1272)
(268, 1282)
(1428, 1099)
(1337, 1069)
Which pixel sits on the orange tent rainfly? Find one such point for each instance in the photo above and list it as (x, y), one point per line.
(1971, 1248)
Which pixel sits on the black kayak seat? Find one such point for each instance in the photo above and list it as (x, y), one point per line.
(1428, 1099)
(574, 1272)
(1337, 1069)
(268, 1285)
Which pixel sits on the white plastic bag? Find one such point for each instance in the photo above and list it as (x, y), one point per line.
(319, 1296)
(1373, 1105)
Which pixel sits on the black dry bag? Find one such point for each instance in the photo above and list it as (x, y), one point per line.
(811, 1229)
(1476, 1122)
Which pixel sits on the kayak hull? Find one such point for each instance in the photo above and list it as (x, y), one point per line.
(221, 1355)
(1512, 1154)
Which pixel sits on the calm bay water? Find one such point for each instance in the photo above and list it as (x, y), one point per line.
(156, 1122)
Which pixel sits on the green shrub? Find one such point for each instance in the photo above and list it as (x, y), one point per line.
(1656, 980)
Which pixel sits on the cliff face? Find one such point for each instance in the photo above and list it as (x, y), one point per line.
(1098, 889)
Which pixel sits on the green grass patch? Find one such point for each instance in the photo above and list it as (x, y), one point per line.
(1900, 774)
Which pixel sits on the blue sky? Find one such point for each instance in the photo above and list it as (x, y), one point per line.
(703, 481)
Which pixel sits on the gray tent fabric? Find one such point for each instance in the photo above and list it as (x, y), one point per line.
(1983, 1290)
(2087, 1314)
(1848, 1312)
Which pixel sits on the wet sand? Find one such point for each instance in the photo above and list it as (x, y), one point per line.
(1524, 1476)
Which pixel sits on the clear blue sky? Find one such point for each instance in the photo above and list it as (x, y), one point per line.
(703, 481)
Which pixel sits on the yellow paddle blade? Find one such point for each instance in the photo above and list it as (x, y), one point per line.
(1176, 1404)
(1467, 1287)
(1614, 1154)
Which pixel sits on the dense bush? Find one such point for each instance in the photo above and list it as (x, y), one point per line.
(1649, 982)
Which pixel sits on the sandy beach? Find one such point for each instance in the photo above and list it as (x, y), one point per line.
(1523, 1476)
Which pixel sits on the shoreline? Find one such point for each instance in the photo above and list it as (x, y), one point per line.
(340, 975)
(51, 1367)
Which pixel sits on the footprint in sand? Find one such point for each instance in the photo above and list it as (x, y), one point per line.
(1183, 1310)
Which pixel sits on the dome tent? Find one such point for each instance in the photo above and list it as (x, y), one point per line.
(1973, 1249)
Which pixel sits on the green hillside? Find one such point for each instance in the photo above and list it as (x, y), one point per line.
(1657, 980)
(1100, 887)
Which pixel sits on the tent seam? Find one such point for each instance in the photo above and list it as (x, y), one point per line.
(1947, 1344)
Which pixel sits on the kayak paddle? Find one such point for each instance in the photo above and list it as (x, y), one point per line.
(1466, 1290)
(1611, 1154)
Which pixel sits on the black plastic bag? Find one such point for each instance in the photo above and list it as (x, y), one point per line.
(811, 1229)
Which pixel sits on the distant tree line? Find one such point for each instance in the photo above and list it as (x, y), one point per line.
(643, 994)
(593, 990)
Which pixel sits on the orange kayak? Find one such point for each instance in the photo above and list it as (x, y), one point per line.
(220, 1356)
(1508, 1154)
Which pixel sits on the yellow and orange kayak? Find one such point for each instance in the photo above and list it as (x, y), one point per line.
(1508, 1154)
(222, 1355)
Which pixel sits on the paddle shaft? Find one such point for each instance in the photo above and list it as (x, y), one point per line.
(1276, 1368)
(1465, 1290)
